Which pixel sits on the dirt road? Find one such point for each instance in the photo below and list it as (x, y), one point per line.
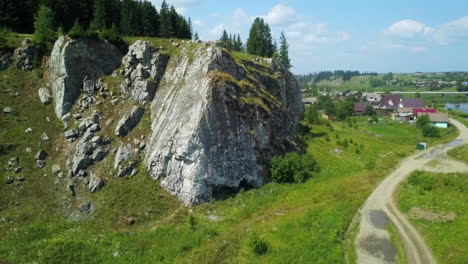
(373, 243)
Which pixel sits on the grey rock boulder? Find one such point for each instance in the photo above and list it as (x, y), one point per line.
(129, 121)
(45, 95)
(7, 110)
(24, 56)
(71, 61)
(41, 155)
(95, 183)
(5, 60)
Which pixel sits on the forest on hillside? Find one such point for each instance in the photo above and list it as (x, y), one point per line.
(130, 17)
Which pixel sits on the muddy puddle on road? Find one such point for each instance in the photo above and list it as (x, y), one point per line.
(379, 218)
(380, 248)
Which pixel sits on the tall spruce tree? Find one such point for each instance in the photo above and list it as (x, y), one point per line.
(99, 16)
(284, 51)
(260, 41)
(44, 30)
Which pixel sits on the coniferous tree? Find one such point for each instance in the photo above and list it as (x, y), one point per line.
(224, 40)
(77, 31)
(195, 36)
(284, 51)
(44, 30)
(260, 41)
(99, 16)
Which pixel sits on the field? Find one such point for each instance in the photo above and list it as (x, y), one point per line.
(460, 153)
(436, 204)
(296, 222)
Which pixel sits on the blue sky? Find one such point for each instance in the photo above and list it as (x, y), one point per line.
(366, 35)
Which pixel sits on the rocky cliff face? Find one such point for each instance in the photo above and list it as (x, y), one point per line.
(217, 117)
(217, 121)
(72, 61)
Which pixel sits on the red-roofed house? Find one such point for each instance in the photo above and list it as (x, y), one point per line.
(360, 108)
(419, 111)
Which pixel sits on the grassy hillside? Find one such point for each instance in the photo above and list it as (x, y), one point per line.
(301, 222)
(436, 205)
(134, 220)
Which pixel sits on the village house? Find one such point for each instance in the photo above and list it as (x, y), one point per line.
(360, 108)
(308, 101)
(440, 120)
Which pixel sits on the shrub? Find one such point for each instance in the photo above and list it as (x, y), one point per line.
(292, 168)
(422, 181)
(258, 245)
(431, 131)
(192, 222)
(423, 121)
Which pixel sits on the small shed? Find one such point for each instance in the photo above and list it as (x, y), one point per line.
(421, 146)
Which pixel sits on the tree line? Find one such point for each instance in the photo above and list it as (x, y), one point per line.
(344, 75)
(130, 17)
(260, 43)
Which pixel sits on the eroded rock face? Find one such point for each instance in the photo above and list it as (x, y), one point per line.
(72, 61)
(24, 56)
(144, 67)
(215, 126)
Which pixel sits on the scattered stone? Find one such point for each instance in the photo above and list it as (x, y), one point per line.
(5, 61)
(66, 117)
(95, 183)
(45, 96)
(55, 168)
(21, 179)
(77, 116)
(9, 180)
(88, 85)
(71, 189)
(41, 155)
(129, 121)
(96, 139)
(71, 135)
(28, 130)
(60, 175)
(13, 161)
(40, 164)
(17, 169)
(131, 221)
(28, 150)
(115, 101)
(7, 110)
(95, 128)
(44, 137)
(86, 207)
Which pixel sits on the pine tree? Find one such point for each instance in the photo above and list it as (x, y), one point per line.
(284, 51)
(239, 46)
(76, 31)
(195, 36)
(224, 39)
(260, 41)
(44, 31)
(99, 16)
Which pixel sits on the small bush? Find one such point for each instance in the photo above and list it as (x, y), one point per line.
(192, 222)
(423, 121)
(422, 180)
(370, 165)
(258, 245)
(431, 131)
(292, 168)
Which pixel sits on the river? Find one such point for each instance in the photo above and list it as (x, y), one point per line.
(458, 106)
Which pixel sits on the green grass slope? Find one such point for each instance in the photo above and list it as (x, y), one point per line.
(439, 195)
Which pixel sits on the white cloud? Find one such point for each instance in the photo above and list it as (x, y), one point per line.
(198, 23)
(409, 28)
(451, 31)
(404, 47)
(280, 14)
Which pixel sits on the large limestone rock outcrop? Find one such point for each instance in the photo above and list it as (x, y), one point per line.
(72, 61)
(217, 121)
